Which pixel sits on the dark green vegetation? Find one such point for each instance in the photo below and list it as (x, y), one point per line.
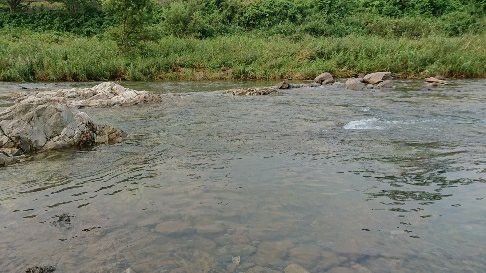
(237, 39)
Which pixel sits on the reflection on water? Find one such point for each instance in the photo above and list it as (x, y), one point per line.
(329, 179)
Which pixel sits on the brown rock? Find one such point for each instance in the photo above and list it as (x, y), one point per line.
(433, 81)
(324, 78)
(377, 77)
(388, 84)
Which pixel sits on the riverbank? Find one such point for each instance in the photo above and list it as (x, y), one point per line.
(30, 56)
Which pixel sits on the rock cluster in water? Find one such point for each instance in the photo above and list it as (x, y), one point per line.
(50, 120)
(380, 80)
(377, 80)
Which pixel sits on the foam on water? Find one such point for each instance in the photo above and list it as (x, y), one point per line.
(363, 124)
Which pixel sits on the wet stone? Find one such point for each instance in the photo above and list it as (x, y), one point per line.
(272, 253)
(209, 228)
(305, 255)
(238, 249)
(199, 262)
(328, 260)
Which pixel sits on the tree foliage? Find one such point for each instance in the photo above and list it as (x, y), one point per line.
(134, 18)
(79, 6)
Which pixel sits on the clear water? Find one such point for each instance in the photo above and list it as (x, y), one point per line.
(330, 179)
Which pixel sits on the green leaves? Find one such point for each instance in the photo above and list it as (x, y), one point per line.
(134, 18)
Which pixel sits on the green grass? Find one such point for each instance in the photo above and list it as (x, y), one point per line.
(31, 56)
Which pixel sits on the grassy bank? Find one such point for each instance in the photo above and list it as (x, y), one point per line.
(30, 56)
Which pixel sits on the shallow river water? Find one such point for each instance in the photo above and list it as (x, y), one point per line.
(329, 179)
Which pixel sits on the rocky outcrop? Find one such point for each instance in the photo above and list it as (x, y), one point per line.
(102, 95)
(324, 78)
(377, 77)
(355, 84)
(261, 91)
(27, 128)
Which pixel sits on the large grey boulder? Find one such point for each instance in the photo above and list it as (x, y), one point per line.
(102, 95)
(377, 77)
(355, 84)
(29, 128)
(324, 78)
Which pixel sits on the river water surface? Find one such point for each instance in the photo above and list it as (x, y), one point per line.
(329, 179)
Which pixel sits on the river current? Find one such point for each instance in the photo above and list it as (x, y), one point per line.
(330, 179)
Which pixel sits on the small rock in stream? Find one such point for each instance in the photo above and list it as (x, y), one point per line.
(324, 78)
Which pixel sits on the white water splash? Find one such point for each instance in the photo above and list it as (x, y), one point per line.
(363, 124)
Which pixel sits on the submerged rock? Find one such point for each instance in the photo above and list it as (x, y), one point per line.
(295, 268)
(29, 128)
(377, 77)
(324, 78)
(102, 95)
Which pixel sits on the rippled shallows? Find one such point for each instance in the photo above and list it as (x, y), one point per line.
(329, 179)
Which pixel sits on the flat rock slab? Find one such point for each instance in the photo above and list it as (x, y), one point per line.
(262, 91)
(105, 94)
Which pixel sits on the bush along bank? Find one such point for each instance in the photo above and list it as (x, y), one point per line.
(233, 39)
(34, 56)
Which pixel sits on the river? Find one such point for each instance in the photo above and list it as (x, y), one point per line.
(330, 179)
